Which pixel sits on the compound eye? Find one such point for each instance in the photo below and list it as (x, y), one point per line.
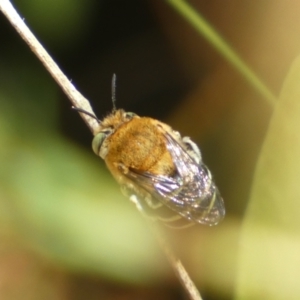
(130, 115)
(98, 140)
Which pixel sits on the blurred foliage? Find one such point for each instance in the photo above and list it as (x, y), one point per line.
(269, 263)
(45, 17)
(64, 225)
(195, 19)
(66, 206)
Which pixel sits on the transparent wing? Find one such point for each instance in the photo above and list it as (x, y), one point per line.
(190, 192)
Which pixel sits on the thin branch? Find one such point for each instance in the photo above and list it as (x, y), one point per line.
(76, 98)
(177, 266)
(80, 102)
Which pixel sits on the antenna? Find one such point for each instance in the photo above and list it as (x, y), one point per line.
(86, 112)
(113, 91)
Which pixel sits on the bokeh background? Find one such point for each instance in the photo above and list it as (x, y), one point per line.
(66, 231)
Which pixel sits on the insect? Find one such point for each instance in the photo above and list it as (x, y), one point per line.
(161, 172)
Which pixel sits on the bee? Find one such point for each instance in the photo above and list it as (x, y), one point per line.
(161, 172)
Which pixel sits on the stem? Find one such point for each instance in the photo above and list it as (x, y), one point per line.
(82, 103)
(75, 97)
(177, 266)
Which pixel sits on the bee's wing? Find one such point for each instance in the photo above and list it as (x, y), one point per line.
(190, 192)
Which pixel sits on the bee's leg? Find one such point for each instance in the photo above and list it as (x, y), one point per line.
(145, 202)
(122, 168)
(192, 149)
(138, 204)
(152, 204)
(134, 199)
(129, 191)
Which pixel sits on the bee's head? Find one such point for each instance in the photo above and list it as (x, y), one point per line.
(109, 124)
(107, 127)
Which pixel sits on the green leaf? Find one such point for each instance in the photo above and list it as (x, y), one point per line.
(269, 260)
(67, 207)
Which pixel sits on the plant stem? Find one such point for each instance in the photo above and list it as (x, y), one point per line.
(80, 102)
(75, 97)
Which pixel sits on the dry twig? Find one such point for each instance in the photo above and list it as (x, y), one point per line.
(76, 98)
(81, 102)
